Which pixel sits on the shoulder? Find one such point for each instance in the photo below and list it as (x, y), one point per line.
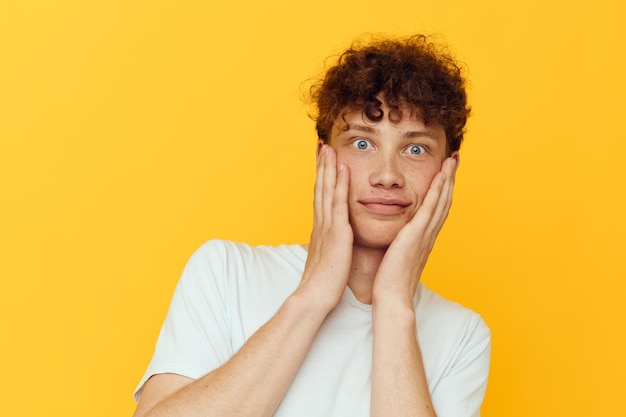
(249, 282)
(448, 328)
(433, 308)
(226, 262)
(226, 251)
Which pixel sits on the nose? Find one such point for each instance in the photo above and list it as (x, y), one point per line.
(386, 171)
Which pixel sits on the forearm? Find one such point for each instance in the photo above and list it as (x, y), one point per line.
(255, 379)
(399, 386)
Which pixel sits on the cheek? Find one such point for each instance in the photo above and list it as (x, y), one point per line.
(357, 176)
(422, 179)
(342, 157)
(352, 166)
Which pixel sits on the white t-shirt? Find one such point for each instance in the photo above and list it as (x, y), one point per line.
(228, 290)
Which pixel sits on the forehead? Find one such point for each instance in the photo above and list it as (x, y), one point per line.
(408, 122)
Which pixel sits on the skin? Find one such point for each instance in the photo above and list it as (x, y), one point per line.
(400, 193)
(392, 167)
(377, 211)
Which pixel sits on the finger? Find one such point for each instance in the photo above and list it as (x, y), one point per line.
(319, 187)
(340, 200)
(431, 214)
(445, 197)
(424, 214)
(330, 181)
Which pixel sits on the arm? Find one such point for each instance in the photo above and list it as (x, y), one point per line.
(399, 385)
(462, 391)
(250, 383)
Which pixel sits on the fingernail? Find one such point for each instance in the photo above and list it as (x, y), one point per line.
(340, 168)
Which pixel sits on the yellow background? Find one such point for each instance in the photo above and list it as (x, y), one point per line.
(131, 131)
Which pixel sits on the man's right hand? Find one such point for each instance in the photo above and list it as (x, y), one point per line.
(251, 378)
(330, 251)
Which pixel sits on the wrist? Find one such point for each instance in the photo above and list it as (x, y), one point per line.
(397, 299)
(398, 307)
(394, 317)
(313, 301)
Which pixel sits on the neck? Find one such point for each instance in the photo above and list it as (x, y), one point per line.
(365, 263)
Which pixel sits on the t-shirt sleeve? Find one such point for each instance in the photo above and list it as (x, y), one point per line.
(195, 336)
(461, 391)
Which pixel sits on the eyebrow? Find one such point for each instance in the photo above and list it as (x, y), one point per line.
(406, 135)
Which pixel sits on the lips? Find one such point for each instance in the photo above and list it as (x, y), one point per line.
(385, 205)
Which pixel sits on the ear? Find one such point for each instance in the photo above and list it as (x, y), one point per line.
(456, 155)
(320, 143)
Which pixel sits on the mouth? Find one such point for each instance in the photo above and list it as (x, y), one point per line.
(385, 206)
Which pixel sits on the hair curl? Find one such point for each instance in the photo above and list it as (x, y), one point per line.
(413, 72)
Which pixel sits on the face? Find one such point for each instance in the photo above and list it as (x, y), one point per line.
(391, 168)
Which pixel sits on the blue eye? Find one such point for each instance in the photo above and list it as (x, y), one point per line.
(361, 144)
(416, 149)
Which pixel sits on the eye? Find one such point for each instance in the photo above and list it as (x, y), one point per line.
(362, 144)
(416, 149)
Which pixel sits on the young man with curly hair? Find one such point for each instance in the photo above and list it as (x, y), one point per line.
(342, 326)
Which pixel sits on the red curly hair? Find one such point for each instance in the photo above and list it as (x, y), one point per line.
(414, 72)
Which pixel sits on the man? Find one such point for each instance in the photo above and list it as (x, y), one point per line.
(342, 326)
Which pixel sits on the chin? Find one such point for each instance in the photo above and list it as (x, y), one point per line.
(378, 236)
(372, 244)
